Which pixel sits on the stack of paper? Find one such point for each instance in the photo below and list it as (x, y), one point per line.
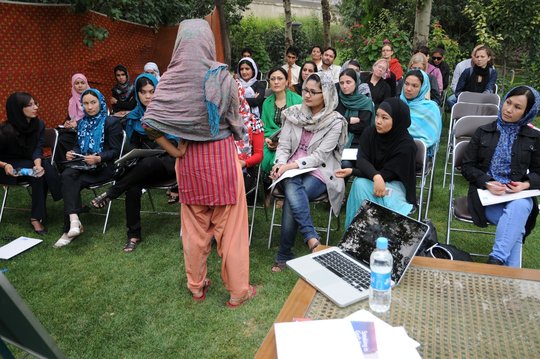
(17, 246)
(351, 337)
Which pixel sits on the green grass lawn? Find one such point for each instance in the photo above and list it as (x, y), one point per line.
(98, 302)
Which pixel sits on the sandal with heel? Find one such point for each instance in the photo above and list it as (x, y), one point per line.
(131, 244)
(38, 226)
(101, 201)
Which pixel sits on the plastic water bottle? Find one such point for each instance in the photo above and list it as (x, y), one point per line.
(380, 262)
(25, 172)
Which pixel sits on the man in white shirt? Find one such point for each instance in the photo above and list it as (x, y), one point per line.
(329, 55)
(293, 70)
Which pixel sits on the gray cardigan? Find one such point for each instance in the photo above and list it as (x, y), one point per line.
(324, 154)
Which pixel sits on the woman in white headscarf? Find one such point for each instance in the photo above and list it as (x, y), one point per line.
(248, 73)
(313, 136)
(152, 69)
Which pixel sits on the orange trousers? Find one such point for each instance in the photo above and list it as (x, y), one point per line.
(229, 226)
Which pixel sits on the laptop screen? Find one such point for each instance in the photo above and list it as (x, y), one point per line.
(373, 221)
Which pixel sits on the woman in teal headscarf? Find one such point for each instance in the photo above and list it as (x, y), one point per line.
(99, 140)
(426, 122)
(354, 106)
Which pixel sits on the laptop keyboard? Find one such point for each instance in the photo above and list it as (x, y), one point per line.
(349, 271)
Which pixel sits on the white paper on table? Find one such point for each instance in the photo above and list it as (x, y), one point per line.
(17, 246)
(392, 342)
(289, 174)
(317, 339)
(349, 154)
(487, 198)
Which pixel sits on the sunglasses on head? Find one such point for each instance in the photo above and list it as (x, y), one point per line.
(437, 58)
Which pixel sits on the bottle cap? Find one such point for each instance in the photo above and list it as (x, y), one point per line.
(382, 243)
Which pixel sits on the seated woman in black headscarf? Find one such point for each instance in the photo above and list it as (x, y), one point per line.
(21, 146)
(99, 141)
(147, 171)
(385, 164)
(123, 95)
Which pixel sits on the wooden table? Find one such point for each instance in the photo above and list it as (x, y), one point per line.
(303, 294)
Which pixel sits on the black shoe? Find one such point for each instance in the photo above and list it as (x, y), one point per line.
(493, 260)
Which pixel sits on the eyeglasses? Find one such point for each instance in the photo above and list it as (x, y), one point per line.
(32, 104)
(311, 92)
(277, 79)
(436, 58)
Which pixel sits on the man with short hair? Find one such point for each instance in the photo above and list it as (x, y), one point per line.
(293, 70)
(329, 55)
(246, 52)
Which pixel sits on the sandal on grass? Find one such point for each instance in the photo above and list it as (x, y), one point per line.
(101, 201)
(278, 267)
(235, 303)
(314, 245)
(173, 198)
(131, 244)
(206, 286)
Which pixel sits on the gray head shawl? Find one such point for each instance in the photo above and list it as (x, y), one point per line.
(196, 98)
(301, 115)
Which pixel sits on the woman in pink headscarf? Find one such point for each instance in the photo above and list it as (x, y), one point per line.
(197, 101)
(68, 131)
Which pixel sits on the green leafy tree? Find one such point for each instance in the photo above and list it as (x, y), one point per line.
(439, 37)
(154, 12)
(508, 27)
(364, 42)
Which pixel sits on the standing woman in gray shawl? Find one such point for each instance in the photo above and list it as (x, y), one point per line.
(197, 100)
(313, 136)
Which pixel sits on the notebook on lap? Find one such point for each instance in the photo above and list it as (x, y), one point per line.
(342, 273)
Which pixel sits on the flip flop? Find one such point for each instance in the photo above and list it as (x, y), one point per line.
(235, 303)
(206, 286)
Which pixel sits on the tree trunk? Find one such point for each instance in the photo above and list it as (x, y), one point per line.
(422, 22)
(326, 17)
(288, 24)
(224, 27)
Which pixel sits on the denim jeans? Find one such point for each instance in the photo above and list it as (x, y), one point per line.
(510, 218)
(295, 215)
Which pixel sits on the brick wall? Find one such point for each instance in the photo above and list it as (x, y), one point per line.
(42, 47)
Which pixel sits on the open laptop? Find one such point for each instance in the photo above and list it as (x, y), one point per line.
(348, 281)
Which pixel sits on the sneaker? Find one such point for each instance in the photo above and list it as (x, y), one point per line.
(63, 241)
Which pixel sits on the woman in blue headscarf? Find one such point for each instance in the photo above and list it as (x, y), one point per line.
(504, 157)
(99, 140)
(160, 167)
(426, 122)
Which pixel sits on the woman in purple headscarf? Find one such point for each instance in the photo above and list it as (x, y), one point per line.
(197, 101)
